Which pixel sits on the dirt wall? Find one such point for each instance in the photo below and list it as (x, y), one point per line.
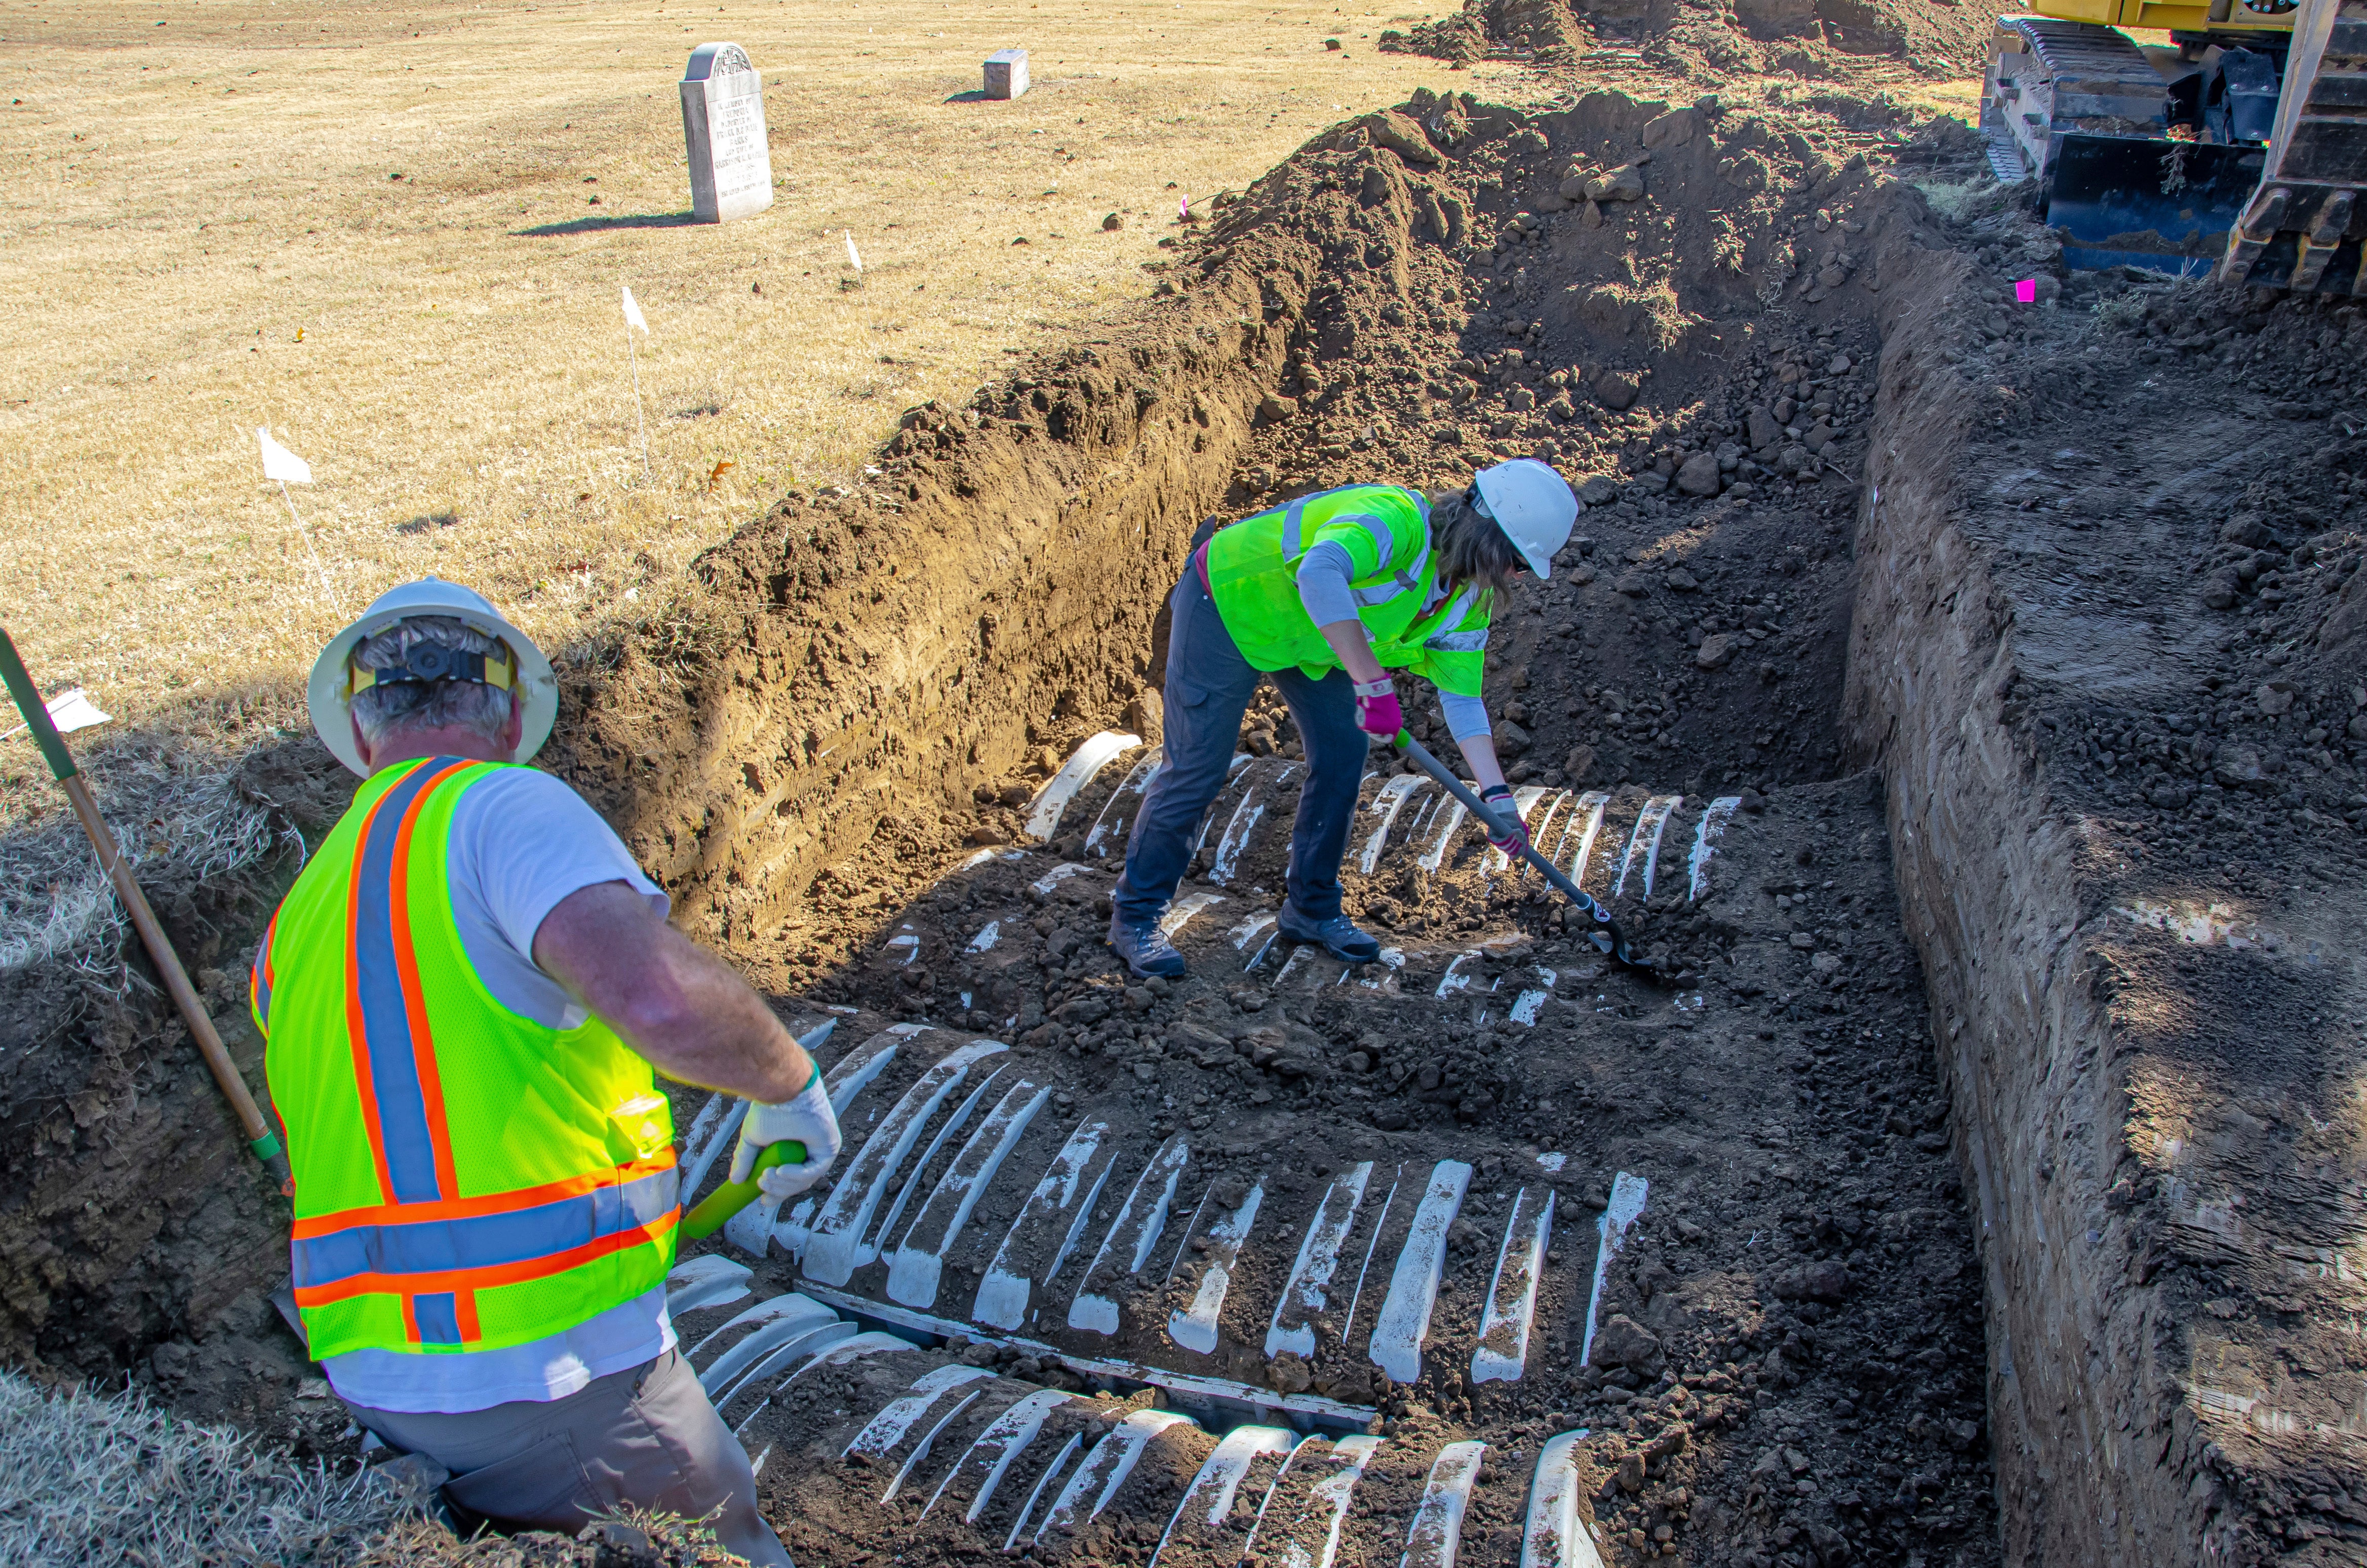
(853, 665)
(2147, 1099)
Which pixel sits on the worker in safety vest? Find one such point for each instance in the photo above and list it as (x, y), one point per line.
(1327, 596)
(463, 995)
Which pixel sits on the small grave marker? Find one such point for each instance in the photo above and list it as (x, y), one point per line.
(723, 127)
(1006, 74)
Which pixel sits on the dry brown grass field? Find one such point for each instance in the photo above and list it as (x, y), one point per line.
(394, 235)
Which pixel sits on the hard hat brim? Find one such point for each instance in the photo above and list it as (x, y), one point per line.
(537, 686)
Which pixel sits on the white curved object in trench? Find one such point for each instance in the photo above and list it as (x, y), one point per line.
(1097, 753)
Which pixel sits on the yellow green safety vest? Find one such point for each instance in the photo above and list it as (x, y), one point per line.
(1253, 577)
(466, 1178)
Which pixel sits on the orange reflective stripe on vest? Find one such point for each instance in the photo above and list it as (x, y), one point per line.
(474, 1242)
(394, 1052)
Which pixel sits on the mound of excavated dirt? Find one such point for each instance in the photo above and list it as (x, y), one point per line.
(2108, 649)
(1717, 38)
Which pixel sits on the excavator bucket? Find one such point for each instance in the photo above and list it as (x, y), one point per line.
(2162, 205)
(2301, 229)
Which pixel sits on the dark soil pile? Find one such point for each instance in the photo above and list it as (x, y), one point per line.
(1718, 38)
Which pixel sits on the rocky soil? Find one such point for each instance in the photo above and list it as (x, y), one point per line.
(1714, 40)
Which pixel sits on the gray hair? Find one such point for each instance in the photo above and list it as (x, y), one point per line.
(381, 709)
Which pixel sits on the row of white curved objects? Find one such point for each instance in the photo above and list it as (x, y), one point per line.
(857, 1221)
(1570, 824)
(1229, 1501)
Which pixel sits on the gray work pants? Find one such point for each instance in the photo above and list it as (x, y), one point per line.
(645, 1435)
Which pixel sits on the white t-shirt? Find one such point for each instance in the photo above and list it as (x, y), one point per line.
(521, 841)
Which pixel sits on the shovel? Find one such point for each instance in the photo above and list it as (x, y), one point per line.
(1609, 940)
(733, 1196)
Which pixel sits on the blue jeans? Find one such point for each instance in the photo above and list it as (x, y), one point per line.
(1208, 689)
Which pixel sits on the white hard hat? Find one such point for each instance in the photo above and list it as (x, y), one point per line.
(330, 691)
(1533, 505)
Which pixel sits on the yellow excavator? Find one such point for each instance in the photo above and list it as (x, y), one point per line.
(2239, 146)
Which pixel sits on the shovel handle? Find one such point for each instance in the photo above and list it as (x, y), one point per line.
(733, 1196)
(36, 715)
(1610, 940)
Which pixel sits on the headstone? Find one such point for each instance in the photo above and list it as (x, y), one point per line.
(1006, 74)
(723, 125)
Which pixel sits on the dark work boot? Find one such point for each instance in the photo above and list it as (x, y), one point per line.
(1337, 936)
(1145, 949)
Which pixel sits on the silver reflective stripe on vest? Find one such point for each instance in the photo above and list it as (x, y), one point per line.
(1294, 518)
(1382, 593)
(1290, 521)
(1458, 641)
(1403, 581)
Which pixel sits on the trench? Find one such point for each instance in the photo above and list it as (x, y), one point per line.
(1488, 1252)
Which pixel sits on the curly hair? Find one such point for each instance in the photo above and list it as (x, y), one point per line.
(1471, 548)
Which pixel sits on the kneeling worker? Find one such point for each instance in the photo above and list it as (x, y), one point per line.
(464, 994)
(1328, 594)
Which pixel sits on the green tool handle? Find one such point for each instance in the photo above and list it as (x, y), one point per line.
(36, 715)
(733, 1196)
(1610, 940)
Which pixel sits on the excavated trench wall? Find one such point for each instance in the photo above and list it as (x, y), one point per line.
(861, 662)
(2007, 882)
(1977, 851)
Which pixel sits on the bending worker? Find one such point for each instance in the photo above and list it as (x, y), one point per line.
(463, 995)
(1328, 594)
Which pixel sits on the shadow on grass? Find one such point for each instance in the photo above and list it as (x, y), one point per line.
(598, 225)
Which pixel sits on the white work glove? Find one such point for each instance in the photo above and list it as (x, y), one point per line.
(806, 1118)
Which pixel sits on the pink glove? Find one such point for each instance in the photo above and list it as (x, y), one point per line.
(1498, 799)
(1377, 708)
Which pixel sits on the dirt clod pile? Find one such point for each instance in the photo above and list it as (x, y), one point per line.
(1721, 37)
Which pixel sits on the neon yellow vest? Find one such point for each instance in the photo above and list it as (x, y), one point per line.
(1385, 529)
(466, 1178)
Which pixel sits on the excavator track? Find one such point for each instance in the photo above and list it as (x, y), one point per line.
(2303, 225)
(2079, 107)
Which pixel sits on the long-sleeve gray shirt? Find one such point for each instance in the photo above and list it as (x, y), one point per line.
(1326, 579)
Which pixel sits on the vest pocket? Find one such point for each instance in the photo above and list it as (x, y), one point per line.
(639, 1128)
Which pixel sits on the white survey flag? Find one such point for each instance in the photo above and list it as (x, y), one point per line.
(633, 317)
(69, 711)
(279, 463)
(851, 254)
